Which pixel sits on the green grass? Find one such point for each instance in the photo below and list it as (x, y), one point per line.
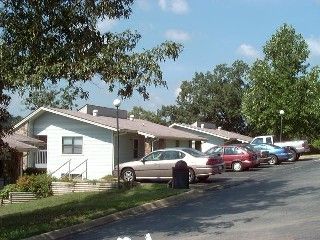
(27, 219)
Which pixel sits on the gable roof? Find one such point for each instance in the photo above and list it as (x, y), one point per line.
(142, 127)
(214, 132)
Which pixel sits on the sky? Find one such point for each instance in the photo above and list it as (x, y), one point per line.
(212, 31)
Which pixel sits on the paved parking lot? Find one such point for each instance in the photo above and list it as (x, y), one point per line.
(268, 203)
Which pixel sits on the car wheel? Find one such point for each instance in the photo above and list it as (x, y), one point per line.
(128, 175)
(273, 160)
(294, 155)
(192, 176)
(237, 166)
(203, 178)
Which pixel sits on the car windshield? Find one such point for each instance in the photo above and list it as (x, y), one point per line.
(193, 152)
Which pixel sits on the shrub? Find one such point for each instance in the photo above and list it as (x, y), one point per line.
(4, 193)
(41, 185)
(24, 183)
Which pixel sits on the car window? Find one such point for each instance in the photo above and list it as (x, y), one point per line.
(230, 151)
(257, 141)
(215, 150)
(155, 156)
(170, 155)
(268, 140)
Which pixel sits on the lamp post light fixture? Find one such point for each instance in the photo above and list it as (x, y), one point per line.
(281, 114)
(117, 103)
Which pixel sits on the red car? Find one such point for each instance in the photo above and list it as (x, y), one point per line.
(235, 157)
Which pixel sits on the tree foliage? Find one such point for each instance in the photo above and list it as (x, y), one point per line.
(283, 81)
(51, 95)
(45, 42)
(141, 113)
(212, 97)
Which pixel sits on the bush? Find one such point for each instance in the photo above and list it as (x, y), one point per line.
(24, 183)
(4, 193)
(41, 185)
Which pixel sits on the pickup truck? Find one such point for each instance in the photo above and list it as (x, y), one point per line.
(296, 148)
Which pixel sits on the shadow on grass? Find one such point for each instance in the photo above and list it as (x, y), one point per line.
(74, 208)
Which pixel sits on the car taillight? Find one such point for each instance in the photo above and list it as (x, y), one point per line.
(213, 161)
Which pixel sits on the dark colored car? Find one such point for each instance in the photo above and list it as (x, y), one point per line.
(277, 154)
(237, 158)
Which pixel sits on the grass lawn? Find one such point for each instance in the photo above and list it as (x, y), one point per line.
(27, 219)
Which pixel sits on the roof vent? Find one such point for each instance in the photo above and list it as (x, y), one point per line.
(131, 117)
(219, 128)
(95, 112)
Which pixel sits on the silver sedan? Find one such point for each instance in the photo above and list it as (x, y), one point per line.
(158, 165)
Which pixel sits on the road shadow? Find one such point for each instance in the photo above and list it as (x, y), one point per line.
(205, 213)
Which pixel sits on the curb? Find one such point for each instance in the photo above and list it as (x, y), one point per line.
(147, 207)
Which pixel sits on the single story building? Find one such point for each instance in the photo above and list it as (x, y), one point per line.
(83, 143)
(11, 161)
(214, 136)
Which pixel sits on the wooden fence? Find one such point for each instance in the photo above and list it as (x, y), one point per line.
(60, 188)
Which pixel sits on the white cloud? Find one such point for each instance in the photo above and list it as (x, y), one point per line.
(177, 91)
(248, 51)
(177, 35)
(314, 46)
(106, 25)
(163, 4)
(175, 6)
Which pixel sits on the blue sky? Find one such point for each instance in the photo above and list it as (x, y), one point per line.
(212, 32)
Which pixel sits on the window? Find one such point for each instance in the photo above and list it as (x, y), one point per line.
(72, 145)
(268, 140)
(230, 151)
(135, 148)
(177, 143)
(172, 155)
(257, 141)
(155, 156)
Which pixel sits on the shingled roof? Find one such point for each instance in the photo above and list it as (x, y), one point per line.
(142, 127)
(22, 143)
(218, 132)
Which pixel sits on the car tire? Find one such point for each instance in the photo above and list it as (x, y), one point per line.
(128, 175)
(192, 176)
(294, 155)
(273, 160)
(237, 166)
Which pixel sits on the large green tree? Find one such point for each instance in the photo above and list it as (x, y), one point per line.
(283, 80)
(212, 97)
(53, 41)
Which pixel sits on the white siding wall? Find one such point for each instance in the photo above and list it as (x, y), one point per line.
(97, 145)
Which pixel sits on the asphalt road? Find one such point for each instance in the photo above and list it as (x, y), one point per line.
(276, 202)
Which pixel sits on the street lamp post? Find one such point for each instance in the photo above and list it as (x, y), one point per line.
(117, 103)
(281, 114)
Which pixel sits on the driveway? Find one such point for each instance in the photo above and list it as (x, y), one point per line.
(277, 202)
